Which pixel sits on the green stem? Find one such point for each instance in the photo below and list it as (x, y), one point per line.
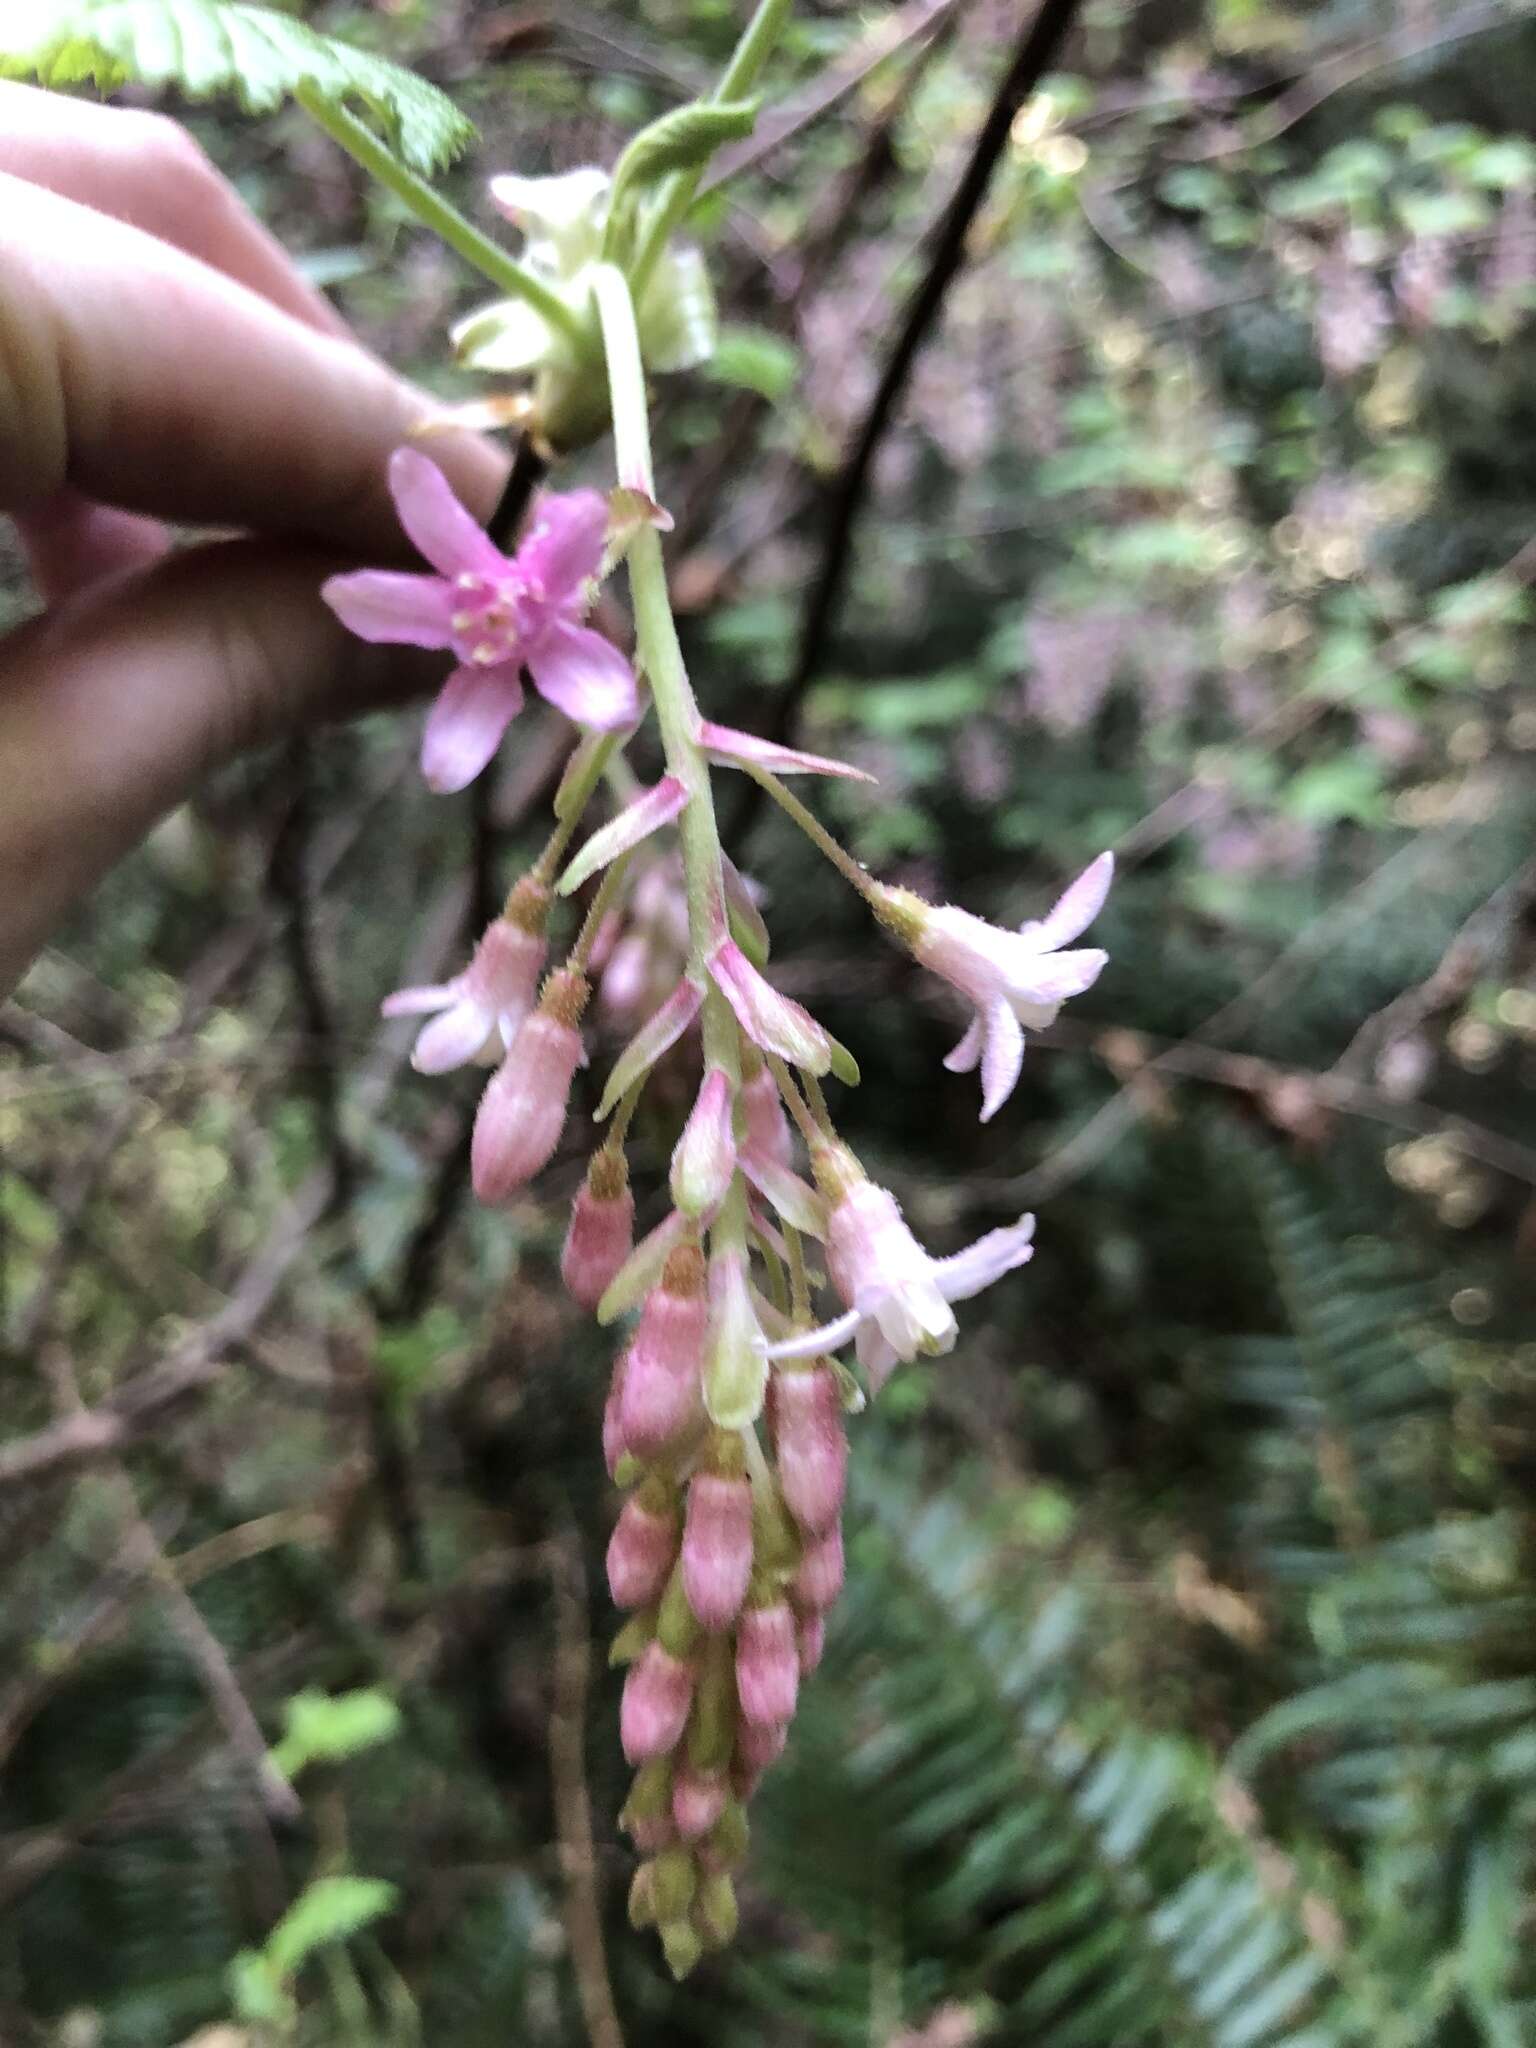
(661, 658)
(602, 903)
(583, 773)
(747, 60)
(430, 208)
(815, 831)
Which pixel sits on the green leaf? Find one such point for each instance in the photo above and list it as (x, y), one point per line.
(328, 1727)
(331, 1909)
(207, 47)
(755, 360)
(683, 140)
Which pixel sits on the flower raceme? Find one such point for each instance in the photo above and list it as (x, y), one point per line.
(499, 614)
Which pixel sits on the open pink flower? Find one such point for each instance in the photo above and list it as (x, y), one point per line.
(898, 1297)
(480, 1010)
(498, 613)
(1014, 979)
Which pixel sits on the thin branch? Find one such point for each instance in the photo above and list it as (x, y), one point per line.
(573, 1803)
(1036, 52)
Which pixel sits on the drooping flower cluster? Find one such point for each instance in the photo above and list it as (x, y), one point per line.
(724, 1425)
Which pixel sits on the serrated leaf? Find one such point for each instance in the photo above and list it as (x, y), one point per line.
(208, 47)
(683, 140)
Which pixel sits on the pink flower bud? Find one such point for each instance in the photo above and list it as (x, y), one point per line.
(641, 1550)
(819, 1579)
(657, 1693)
(758, 1746)
(811, 1444)
(705, 1158)
(767, 1664)
(767, 1127)
(698, 1800)
(614, 1446)
(717, 1547)
(660, 1388)
(811, 1640)
(522, 1111)
(602, 1230)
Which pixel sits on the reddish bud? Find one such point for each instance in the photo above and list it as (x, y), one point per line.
(819, 1578)
(811, 1444)
(759, 1746)
(717, 1547)
(767, 1664)
(698, 1800)
(602, 1230)
(810, 1641)
(522, 1111)
(641, 1550)
(654, 1711)
(660, 1388)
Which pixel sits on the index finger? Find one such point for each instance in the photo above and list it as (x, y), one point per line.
(146, 379)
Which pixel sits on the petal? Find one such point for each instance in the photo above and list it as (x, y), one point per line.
(381, 604)
(795, 1200)
(1001, 1058)
(988, 1259)
(967, 1053)
(646, 814)
(564, 546)
(812, 1343)
(454, 1039)
(1076, 908)
(464, 727)
(505, 338)
(658, 1035)
(732, 749)
(878, 1357)
(1054, 976)
(585, 676)
(435, 520)
(415, 1002)
(770, 1020)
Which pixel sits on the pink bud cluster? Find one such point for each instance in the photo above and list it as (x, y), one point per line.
(728, 1578)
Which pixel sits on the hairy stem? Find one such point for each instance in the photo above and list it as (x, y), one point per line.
(747, 60)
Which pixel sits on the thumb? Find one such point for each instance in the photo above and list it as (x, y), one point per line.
(118, 702)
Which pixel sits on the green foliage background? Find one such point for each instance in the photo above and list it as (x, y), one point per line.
(1183, 1689)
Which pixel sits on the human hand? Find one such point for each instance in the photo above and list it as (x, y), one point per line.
(160, 359)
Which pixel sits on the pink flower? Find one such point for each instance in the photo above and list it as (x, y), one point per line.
(658, 1692)
(810, 1444)
(1013, 979)
(767, 1127)
(767, 1664)
(819, 1576)
(641, 1550)
(499, 614)
(480, 1011)
(899, 1298)
(698, 1800)
(717, 1547)
(704, 1159)
(522, 1111)
(659, 1393)
(811, 1641)
(602, 1230)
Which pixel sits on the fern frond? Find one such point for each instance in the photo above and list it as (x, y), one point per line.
(998, 1814)
(209, 47)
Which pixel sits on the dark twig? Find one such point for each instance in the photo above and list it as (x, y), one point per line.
(1036, 52)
